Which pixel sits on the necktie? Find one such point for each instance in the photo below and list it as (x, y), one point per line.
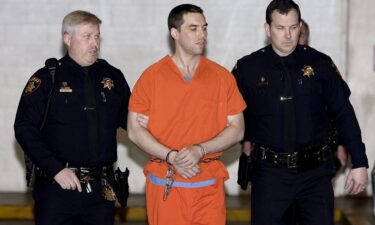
(92, 115)
(289, 112)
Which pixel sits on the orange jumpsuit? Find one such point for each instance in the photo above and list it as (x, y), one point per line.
(182, 114)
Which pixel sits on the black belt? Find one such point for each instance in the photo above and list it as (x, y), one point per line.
(92, 173)
(307, 157)
(84, 173)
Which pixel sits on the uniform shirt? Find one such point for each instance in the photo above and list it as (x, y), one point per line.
(64, 138)
(318, 91)
(184, 113)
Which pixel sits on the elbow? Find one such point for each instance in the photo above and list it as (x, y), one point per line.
(241, 134)
(131, 134)
(241, 129)
(130, 129)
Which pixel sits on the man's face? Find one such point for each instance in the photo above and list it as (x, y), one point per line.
(191, 38)
(83, 45)
(283, 32)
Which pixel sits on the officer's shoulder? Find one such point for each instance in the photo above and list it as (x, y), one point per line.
(42, 73)
(309, 52)
(255, 56)
(104, 63)
(37, 82)
(107, 66)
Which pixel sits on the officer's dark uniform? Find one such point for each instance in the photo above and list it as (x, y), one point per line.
(80, 131)
(317, 90)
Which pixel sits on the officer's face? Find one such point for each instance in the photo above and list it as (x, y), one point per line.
(191, 38)
(283, 32)
(83, 44)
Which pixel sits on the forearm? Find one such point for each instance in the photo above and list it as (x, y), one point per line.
(143, 138)
(231, 135)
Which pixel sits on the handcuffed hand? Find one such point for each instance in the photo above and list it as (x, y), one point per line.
(189, 157)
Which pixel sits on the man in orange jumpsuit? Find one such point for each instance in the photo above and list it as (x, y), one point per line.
(195, 113)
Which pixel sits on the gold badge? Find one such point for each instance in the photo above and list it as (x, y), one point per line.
(65, 88)
(308, 71)
(107, 83)
(107, 191)
(32, 85)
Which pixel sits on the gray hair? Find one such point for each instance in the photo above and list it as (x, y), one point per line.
(76, 18)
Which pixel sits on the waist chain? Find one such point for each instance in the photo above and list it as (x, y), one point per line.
(205, 160)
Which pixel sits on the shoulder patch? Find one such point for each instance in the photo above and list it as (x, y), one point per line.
(32, 85)
(336, 69)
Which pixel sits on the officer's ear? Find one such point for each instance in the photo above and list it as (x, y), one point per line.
(67, 38)
(267, 28)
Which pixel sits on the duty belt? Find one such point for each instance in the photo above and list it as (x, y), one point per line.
(84, 173)
(309, 156)
(92, 173)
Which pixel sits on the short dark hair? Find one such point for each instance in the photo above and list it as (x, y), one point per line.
(175, 18)
(283, 7)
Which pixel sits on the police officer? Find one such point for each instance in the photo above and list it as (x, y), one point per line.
(76, 147)
(290, 89)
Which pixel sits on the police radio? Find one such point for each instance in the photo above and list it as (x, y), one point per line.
(31, 169)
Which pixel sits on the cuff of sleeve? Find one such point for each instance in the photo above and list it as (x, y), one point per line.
(360, 162)
(54, 167)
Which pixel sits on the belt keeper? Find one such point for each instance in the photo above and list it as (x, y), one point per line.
(203, 150)
(167, 156)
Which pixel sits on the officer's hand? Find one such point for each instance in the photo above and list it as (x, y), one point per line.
(67, 179)
(356, 181)
(246, 147)
(142, 120)
(188, 157)
(342, 155)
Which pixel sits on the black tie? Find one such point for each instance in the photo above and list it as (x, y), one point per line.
(289, 114)
(92, 115)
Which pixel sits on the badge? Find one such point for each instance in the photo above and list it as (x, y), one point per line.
(107, 83)
(32, 85)
(308, 71)
(263, 82)
(65, 88)
(336, 69)
(107, 191)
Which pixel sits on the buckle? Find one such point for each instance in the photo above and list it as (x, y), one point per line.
(292, 160)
